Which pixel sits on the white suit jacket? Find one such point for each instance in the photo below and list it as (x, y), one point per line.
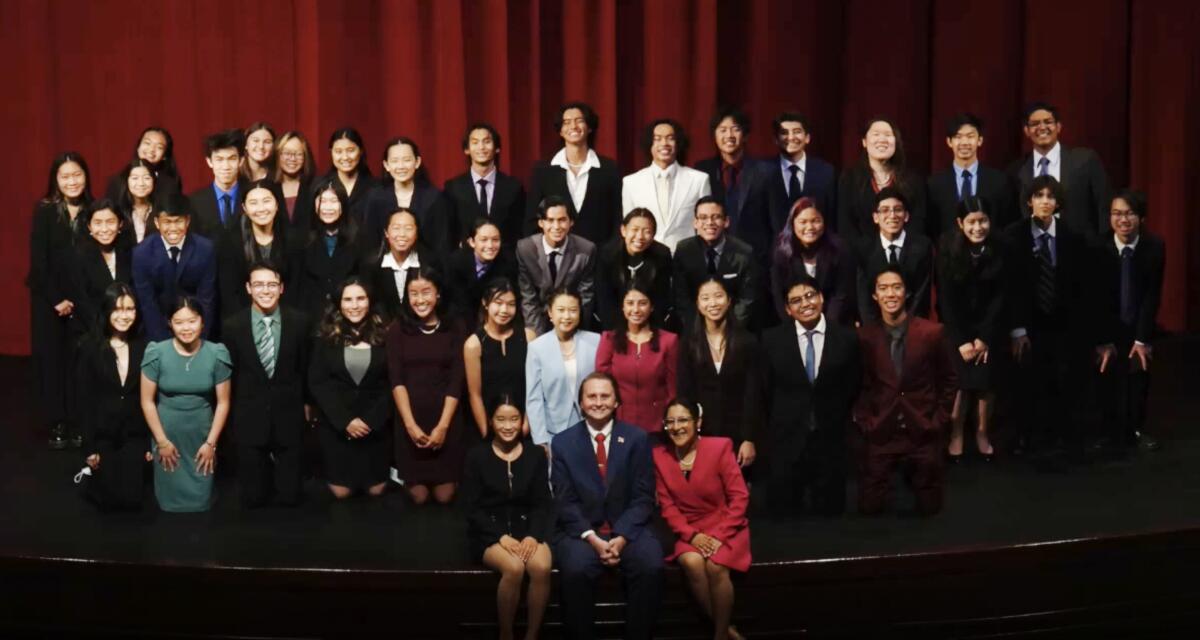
(674, 224)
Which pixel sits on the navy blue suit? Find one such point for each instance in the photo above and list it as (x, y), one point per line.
(753, 180)
(157, 281)
(768, 210)
(624, 499)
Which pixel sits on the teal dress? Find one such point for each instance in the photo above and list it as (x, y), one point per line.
(186, 397)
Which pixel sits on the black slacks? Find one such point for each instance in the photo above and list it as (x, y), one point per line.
(270, 470)
(811, 479)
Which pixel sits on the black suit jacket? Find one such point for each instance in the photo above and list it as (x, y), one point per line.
(837, 277)
(612, 276)
(750, 184)
(1149, 261)
(233, 268)
(1086, 186)
(507, 208)
(465, 289)
(916, 264)
(994, 185)
(434, 220)
(768, 213)
(339, 400)
(599, 217)
(971, 294)
(856, 203)
(206, 212)
(737, 268)
(797, 406)
(301, 219)
(268, 409)
(114, 410)
(733, 398)
(385, 298)
(318, 274)
(92, 278)
(1075, 308)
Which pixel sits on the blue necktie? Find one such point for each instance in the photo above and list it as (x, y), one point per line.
(226, 208)
(966, 186)
(810, 357)
(1044, 163)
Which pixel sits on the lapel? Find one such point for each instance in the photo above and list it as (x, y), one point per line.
(618, 451)
(247, 338)
(832, 344)
(503, 195)
(792, 353)
(189, 247)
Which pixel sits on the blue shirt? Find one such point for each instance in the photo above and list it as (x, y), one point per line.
(233, 198)
(958, 178)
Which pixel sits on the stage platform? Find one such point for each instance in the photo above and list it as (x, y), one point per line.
(1107, 549)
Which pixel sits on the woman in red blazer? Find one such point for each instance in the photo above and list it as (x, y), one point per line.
(703, 498)
(642, 358)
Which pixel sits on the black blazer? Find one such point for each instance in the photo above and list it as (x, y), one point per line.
(612, 276)
(737, 267)
(750, 184)
(598, 218)
(770, 211)
(1149, 261)
(1086, 186)
(971, 293)
(507, 209)
(837, 277)
(434, 219)
(465, 290)
(339, 400)
(302, 214)
(992, 184)
(268, 409)
(1075, 305)
(91, 279)
(916, 264)
(206, 212)
(51, 255)
(356, 202)
(385, 298)
(318, 274)
(794, 400)
(498, 504)
(733, 399)
(114, 410)
(856, 203)
(232, 266)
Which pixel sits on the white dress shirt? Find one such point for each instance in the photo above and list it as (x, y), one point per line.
(592, 433)
(576, 184)
(818, 339)
(899, 242)
(785, 164)
(490, 179)
(1055, 158)
(400, 271)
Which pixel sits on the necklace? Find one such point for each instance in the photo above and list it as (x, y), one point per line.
(437, 325)
(687, 460)
(717, 349)
(567, 355)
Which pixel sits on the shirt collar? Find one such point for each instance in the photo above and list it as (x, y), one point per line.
(560, 160)
(820, 328)
(547, 249)
(168, 245)
(257, 315)
(232, 193)
(785, 162)
(412, 261)
(607, 430)
(899, 242)
(1053, 155)
(973, 168)
(1052, 229)
(668, 173)
(719, 247)
(1121, 245)
(490, 178)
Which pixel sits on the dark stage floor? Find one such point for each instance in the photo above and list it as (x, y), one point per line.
(1002, 504)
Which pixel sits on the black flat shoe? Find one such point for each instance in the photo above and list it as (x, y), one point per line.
(953, 458)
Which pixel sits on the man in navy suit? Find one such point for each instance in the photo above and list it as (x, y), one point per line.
(604, 491)
(733, 176)
(171, 264)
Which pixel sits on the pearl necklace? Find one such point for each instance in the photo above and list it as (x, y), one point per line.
(432, 331)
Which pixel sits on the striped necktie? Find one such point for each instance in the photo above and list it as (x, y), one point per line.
(266, 348)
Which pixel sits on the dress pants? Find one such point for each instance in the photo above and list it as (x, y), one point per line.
(641, 570)
(815, 476)
(53, 344)
(1049, 385)
(1125, 387)
(919, 458)
(270, 469)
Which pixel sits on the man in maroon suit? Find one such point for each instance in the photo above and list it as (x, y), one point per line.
(906, 400)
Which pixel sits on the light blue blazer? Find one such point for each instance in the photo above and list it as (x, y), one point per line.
(551, 403)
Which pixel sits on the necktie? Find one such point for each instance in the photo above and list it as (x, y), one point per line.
(483, 203)
(897, 353)
(794, 185)
(810, 356)
(663, 191)
(729, 176)
(226, 209)
(966, 186)
(266, 348)
(174, 251)
(553, 267)
(1128, 307)
(1045, 278)
(893, 255)
(1044, 166)
(601, 456)
(712, 261)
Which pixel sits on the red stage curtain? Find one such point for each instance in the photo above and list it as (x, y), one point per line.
(89, 75)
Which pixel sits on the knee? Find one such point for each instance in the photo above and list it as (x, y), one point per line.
(691, 563)
(339, 492)
(715, 571)
(418, 494)
(538, 568)
(513, 571)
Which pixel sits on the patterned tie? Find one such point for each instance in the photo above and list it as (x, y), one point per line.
(1128, 306)
(483, 203)
(1044, 167)
(966, 185)
(601, 457)
(266, 348)
(1045, 275)
(810, 356)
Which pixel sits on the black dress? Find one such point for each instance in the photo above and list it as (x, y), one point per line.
(970, 304)
(503, 366)
(502, 498)
(113, 424)
(51, 256)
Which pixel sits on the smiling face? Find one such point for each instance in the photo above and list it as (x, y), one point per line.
(599, 401)
(556, 225)
(224, 165)
(880, 141)
(346, 155)
(891, 216)
(401, 163)
(712, 301)
(638, 234)
(291, 157)
(1042, 129)
(965, 144)
(260, 145)
(681, 426)
(574, 129)
(123, 315)
(729, 137)
(401, 232)
(1043, 204)
(186, 325)
(140, 182)
(329, 207)
(172, 227)
(485, 243)
(261, 207)
(1125, 223)
(564, 314)
(889, 293)
(354, 304)
(809, 226)
(506, 424)
(104, 227)
(502, 308)
(422, 299)
(265, 288)
(662, 145)
(710, 222)
(153, 147)
(792, 139)
(481, 148)
(804, 304)
(976, 226)
(636, 308)
(71, 180)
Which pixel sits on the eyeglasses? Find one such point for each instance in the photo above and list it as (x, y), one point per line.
(710, 218)
(802, 298)
(269, 286)
(672, 422)
(1123, 214)
(885, 210)
(1049, 122)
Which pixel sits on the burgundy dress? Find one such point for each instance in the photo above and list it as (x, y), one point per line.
(645, 378)
(430, 368)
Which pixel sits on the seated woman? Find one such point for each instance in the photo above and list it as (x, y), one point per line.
(556, 364)
(642, 358)
(115, 437)
(635, 256)
(806, 246)
(348, 379)
(181, 378)
(510, 514)
(703, 499)
(494, 355)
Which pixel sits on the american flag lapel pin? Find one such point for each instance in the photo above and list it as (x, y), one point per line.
(620, 440)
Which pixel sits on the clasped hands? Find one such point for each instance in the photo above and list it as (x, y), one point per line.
(705, 544)
(608, 550)
(206, 457)
(523, 550)
(432, 440)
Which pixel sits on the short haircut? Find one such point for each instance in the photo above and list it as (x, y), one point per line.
(263, 264)
(800, 280)
(466, 139)
(681, 138)
(1046, 182)
(175, 204)
(226, 139)
(1135, 199)
(739, 118)
(589, 116)
(889, 268)
(549, 202)
(960, 120)
(788, 116)
(1038, 105)
(710, 199)
(600, 375)
(891, 192)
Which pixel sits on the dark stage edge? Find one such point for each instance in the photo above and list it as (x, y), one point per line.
(1109, 549)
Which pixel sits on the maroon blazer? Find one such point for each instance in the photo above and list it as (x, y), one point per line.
(925, 395)
(712, 500)
(645, 380)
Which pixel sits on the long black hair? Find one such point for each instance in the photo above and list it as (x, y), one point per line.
(621, 329)
(166, 166)
(957, 252)
(279, 224)
(112, 295)
(408, 318)
(55, 196)
(351, 134)
(347, 229)
(698, 348)
(493, 289)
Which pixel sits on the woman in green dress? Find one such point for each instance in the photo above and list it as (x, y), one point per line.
(185, 396)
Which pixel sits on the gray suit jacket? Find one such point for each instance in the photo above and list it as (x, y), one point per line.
(576, 269)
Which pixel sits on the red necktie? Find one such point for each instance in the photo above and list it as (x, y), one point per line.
(601, 456)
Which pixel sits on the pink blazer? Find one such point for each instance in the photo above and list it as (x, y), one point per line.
(646, 380)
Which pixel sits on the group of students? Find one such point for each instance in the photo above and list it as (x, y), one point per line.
(587, 316)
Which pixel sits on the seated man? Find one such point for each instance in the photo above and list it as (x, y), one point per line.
(907, 397)
(603, 479)
(173, 264)
(550, 259)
